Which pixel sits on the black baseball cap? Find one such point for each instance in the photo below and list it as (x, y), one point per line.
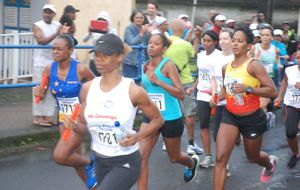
(70, 9)
(109, 44)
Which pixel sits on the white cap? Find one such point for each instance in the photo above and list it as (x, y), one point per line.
(49, 6)
(253, 26)
(159, 20)
(220, 18)
(256, 33)
(277, 32)
(104, 15)
(229, 21)
(183, 16)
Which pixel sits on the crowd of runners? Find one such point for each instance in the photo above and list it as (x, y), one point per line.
(235, 75)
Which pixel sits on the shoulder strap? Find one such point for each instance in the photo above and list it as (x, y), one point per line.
(162, 63)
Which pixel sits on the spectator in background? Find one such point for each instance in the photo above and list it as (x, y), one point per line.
(188, 27)
(256, 35)
(45, 31)
(209, 24)
(277, 42)
(71, 11)
(67, 21)
(94, 35)
(289, 39)
(181, 52)
(136, 33)
(230, 23)
(152, 8)
(219, 23)
(161, 26)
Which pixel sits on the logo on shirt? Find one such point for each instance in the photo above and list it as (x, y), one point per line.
(108, 104)
(72, 82)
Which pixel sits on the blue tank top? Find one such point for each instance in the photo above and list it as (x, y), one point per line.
(167, 104)
(66, 92)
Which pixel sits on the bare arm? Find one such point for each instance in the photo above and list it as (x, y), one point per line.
(140, 98)
(282, 89)
(84, 73)
(170, 70)
(41, 40)
(267, 89)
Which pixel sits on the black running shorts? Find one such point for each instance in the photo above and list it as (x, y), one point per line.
(170, 129)
(250, 126)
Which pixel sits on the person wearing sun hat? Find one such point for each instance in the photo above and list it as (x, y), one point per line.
(219, 23)
(256, 34)
(93, 36)
(107, 102)
(44, 31)
(277, 42)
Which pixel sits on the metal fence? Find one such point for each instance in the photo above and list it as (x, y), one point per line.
(15, 63)
(16, 52)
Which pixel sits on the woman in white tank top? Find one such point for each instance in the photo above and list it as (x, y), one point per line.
(289, 92)
(107, 103)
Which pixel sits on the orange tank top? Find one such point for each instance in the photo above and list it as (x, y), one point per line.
(247, 102)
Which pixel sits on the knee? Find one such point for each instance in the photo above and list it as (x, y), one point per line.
(221, 159)
(59, 157)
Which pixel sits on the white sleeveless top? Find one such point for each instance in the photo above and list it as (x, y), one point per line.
(292, 94)
(44, 56)
(102, 110)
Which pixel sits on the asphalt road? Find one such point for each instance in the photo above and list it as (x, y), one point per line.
(34, 169)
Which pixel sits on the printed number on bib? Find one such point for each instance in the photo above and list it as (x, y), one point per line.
(204, 75)
(66, 106)
(107, 138)
(159, 100)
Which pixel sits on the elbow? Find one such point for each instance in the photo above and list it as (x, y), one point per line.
(273, 93)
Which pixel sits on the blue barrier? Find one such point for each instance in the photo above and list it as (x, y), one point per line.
(24, 85)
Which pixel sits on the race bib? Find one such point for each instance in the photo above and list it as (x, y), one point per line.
(159, 100)
(66, 107)
(228, 82)
(269, 69)
(204, 75)
(104, 134)
(294, 96)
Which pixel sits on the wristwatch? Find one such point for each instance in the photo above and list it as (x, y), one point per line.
(249, 90)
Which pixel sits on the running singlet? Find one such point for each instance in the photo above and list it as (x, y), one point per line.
(266, 57)
(240, 75)
(292, 94)
(66, 92)
(102, 110)
(167, 104)
(205, 64)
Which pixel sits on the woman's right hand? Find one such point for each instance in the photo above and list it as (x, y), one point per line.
(37, 91)
(189, 91)
(277, 101)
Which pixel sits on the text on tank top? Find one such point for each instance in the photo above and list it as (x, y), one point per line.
(102, 110)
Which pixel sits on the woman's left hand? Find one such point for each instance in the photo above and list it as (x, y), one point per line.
(129, 140)
(238, 88)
